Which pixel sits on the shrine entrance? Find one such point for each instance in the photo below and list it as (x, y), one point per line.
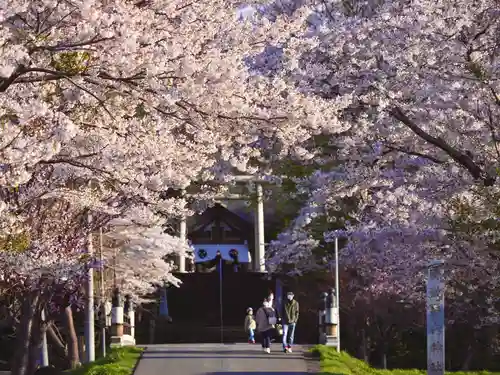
(220, 235)
(210, 306)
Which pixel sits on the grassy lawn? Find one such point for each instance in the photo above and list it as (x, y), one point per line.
(120, 361)
(343, 364)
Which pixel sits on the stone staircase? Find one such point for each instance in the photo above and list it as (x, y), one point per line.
(195, 308)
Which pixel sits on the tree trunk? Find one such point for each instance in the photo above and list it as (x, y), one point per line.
(73, 355)
(365, 346)
(468, 359)
(56, 341)
(35, 343)
(24, 332)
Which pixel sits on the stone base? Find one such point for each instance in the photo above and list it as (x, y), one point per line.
(331, 330)
(125, 340)
(332, 341)
(322, 338)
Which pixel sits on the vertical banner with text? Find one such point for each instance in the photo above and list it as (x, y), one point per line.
(435, 319)
(163, 301)
(279, 296)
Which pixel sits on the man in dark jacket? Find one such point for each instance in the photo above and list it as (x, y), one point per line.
(290, 318)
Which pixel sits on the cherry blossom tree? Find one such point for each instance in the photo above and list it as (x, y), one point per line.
(42, 265)
(420, 83)
(135, 252)
(115, 95)
(105, 105)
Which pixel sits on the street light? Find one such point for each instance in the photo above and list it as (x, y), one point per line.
(331, 310)
(337, 289)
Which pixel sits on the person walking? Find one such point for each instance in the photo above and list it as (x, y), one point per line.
(250, 326)
(290, 318)
(270, 298)
(272, 304)
(266, 320)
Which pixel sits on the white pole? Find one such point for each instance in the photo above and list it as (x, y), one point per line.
(183, 237)
(131, 317)
(337, 284)
(89, 308)
(45, 349)
(103, 310)
(260, 257)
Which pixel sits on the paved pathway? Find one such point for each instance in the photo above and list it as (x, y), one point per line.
(214, 359)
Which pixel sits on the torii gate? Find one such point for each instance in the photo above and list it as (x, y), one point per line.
(259, 258)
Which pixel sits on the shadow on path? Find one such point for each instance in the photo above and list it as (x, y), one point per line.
(259, 372)
(264, 356)
(213, 352)
(206, 359)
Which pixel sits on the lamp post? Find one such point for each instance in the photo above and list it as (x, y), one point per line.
(102, 296)
(337, 288)
(45, 348)
(260, 259)
(89, 307)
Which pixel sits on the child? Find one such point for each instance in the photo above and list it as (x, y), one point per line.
(250, 326)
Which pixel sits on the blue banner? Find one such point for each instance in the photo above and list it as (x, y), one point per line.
(279, 297)
(163, 301)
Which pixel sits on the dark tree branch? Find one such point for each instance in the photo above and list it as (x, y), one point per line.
(460, 157)
(70, 46)
(414, 153)
(496, 97)
(5, 82)
(99, 100)
(76, 163)
(52, 75)
(491, 126)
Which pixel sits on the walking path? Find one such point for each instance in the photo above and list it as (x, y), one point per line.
(214, 359)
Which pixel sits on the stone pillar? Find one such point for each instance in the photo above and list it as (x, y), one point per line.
(435, 318)
(321, 318)
(108, 309)
(259, 259)
(116, 318)
(331, 319)
(129, 311)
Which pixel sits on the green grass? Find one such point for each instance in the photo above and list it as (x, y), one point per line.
(343, 364)
(120, 361)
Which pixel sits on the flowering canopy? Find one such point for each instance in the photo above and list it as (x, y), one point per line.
(422, 84)
(136, 252)
(106, 104)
